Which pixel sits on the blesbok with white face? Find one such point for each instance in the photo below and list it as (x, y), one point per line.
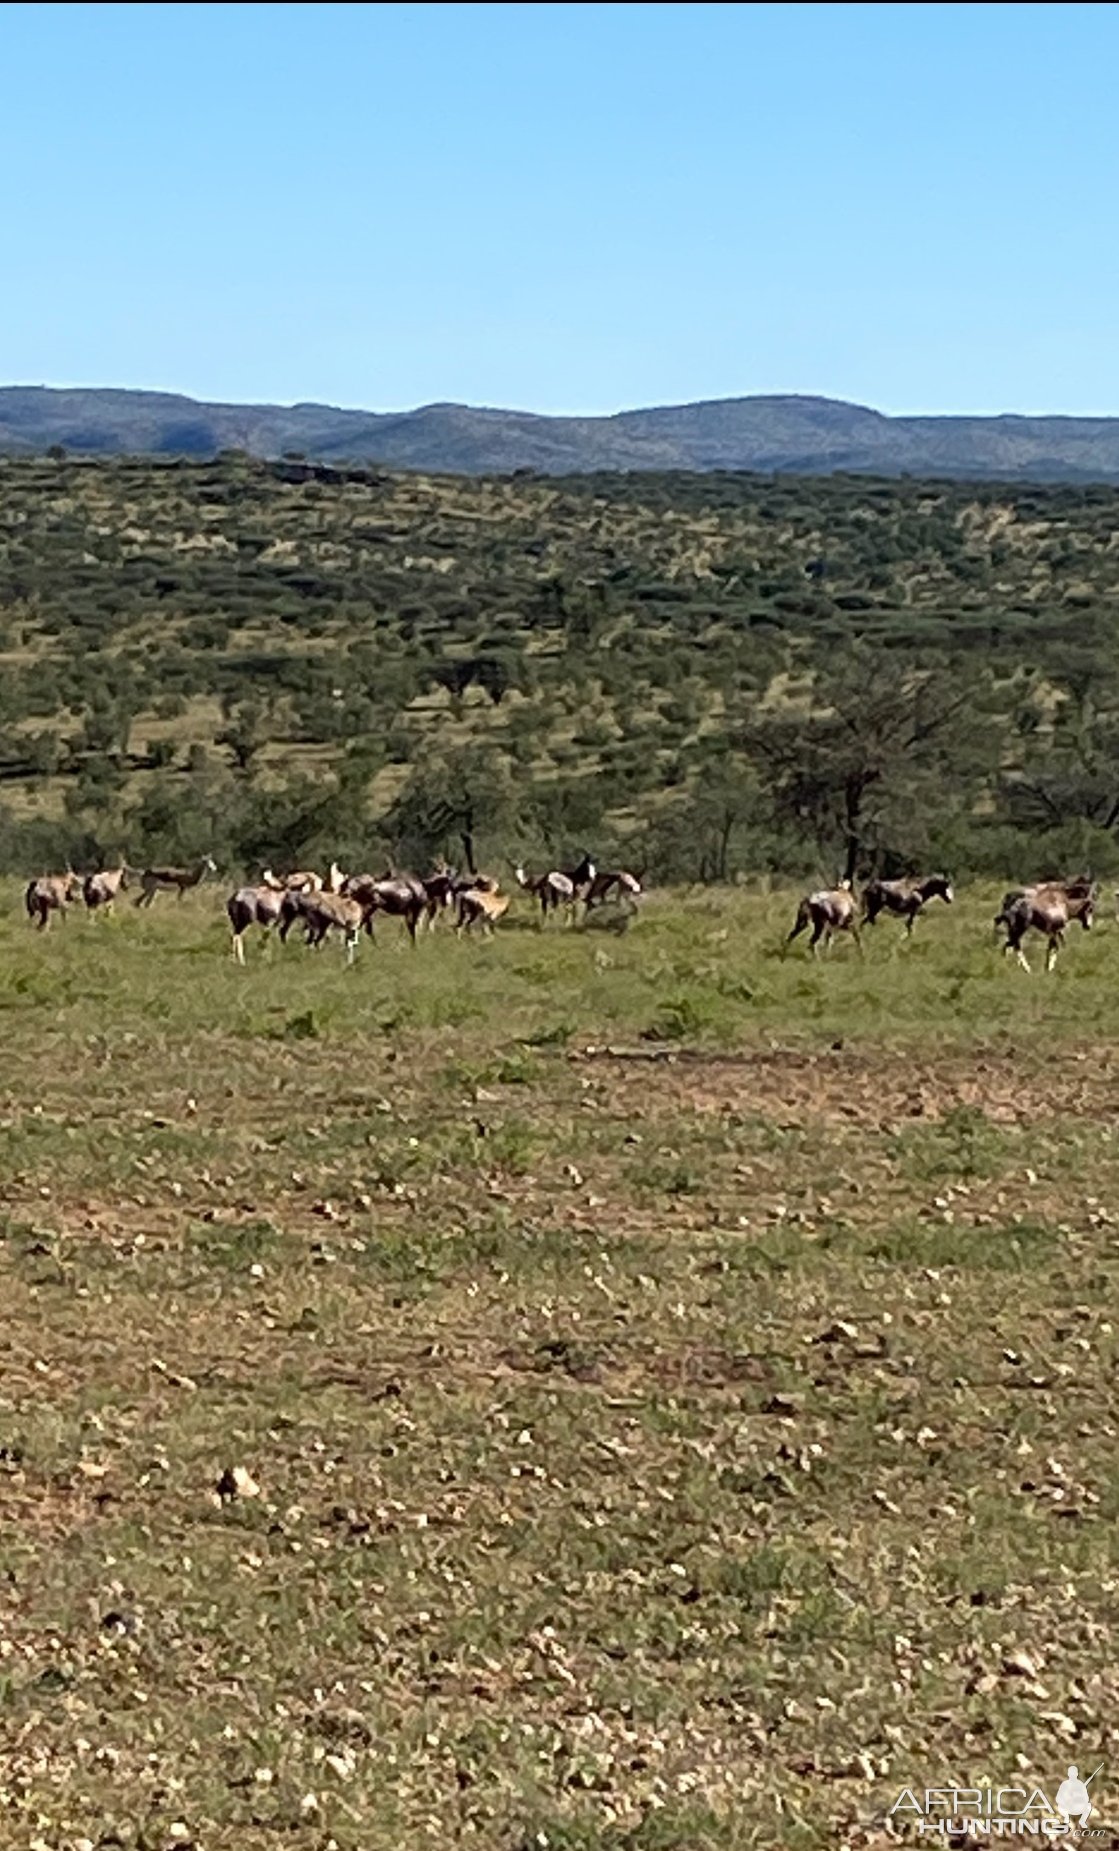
(905, 898)
(828, 911)
(173, 880)
(50, 894)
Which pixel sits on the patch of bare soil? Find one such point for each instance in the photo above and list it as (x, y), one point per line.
(874, 1088)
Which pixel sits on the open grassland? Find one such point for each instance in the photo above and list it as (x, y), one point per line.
(664, 1392)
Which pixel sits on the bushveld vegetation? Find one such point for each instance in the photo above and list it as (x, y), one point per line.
(601, 1390)
(704, 675)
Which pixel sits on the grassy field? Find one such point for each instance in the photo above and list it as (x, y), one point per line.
(583, 1390)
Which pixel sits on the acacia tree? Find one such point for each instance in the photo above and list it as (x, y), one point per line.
(865, 763)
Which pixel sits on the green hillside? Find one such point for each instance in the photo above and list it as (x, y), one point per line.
(707, 674)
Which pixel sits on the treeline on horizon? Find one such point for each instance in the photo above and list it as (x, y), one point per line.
(703, 677)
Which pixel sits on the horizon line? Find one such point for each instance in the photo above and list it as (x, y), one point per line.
(728, 398)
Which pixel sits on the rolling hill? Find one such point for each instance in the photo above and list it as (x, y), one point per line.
(789, 434)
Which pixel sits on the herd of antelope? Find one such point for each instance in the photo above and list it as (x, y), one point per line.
(1047, 907)
(342, 903)
(347, 904)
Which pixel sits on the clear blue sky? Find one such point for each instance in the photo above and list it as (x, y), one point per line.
(564, 208)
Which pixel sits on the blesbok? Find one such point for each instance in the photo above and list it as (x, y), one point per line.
(51, 893)
(441, 888)
(305, 880)
(905, 898)
(553, 890)
(101, 889)
(582, 876)
(321, 913)
(1078, 888)
(173, 880)
(1047, 909)
(618, 884)
(829, 910)
(398, 896)
(249, 906)
(480, 905)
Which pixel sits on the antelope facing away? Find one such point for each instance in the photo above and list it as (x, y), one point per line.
(173, 880)
(480, 905)
(1047, 909)
(305, 880)
(905, 898)
(553, 890)
(828, 911)
(51, 893)
(249, 906)
(617, 885)
(101, 889)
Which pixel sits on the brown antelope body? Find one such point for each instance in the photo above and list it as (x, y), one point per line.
(101, 889)
(1048, 908)
(552, 890)
(50, 893)
(829, 910)
(249, 906)
(172, 880)
(618, 884)
(398, 896)
(320, 913)
(905, 898)
(480, 905)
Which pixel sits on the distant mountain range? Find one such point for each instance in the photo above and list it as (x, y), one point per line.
(808, 436)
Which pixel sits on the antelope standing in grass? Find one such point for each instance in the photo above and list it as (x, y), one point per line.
(249, 906)
(1047, 909)
(100, 890)
(617, 885)
(321, 913)
(51, 893)
(173, 880)
(398, 896)
(905, 898)
(828, 911)
(480, 905)
(553, 890)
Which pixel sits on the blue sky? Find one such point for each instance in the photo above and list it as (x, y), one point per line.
(564, 208)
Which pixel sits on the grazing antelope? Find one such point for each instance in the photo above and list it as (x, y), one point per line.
(173, 880)
(828, 911)
(1047, 909)
(51, 893)
(322, 913)
(100, 890)
(482, 906)
(399, 896)
(905, 898)
(261, 906)
(553, 890)
(617, 885)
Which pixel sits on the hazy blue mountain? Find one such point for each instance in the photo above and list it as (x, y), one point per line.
(790, 433)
